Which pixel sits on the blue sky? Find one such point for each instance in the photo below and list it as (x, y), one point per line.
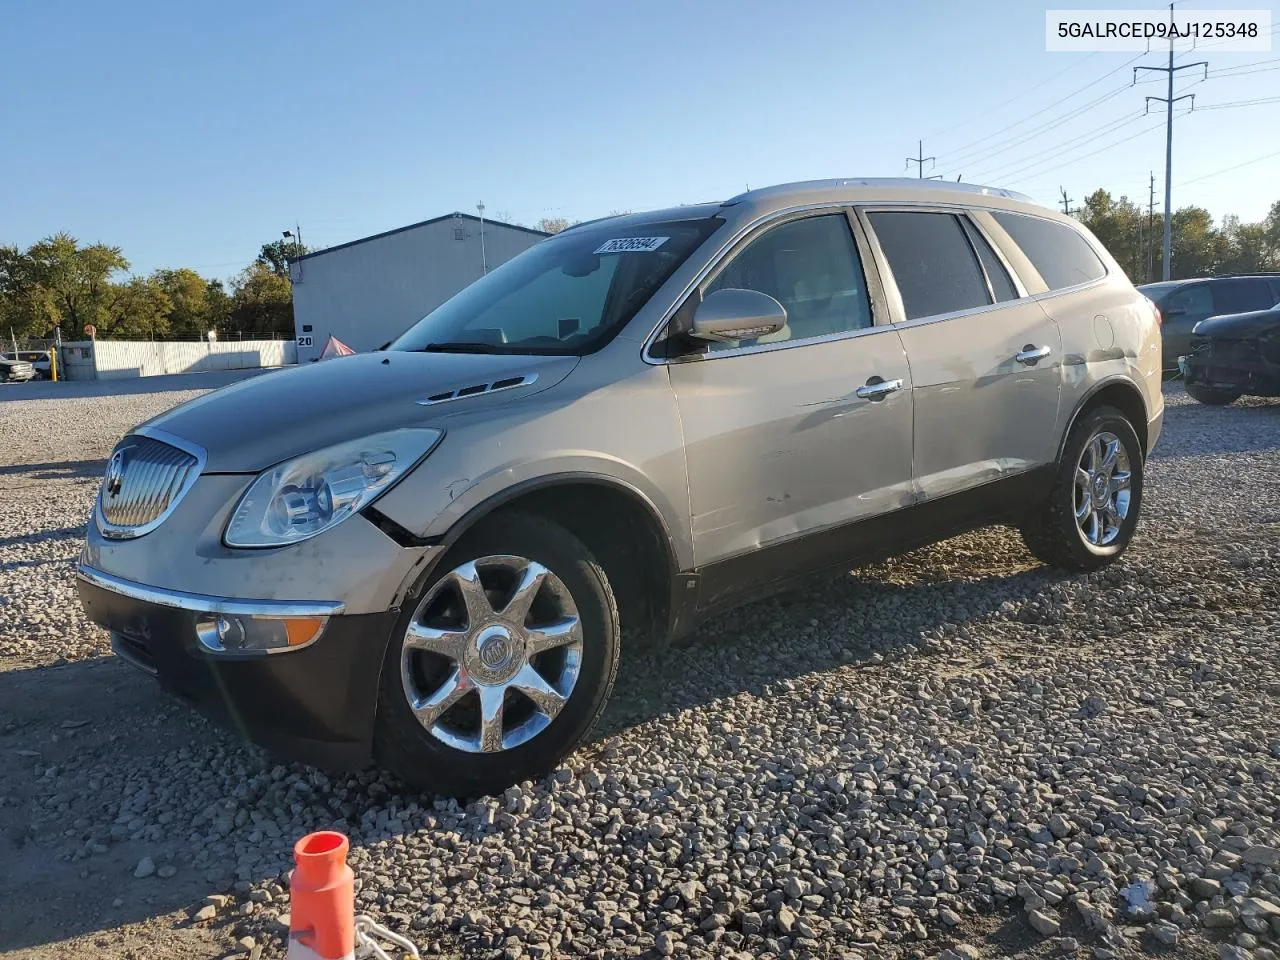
(189, 133)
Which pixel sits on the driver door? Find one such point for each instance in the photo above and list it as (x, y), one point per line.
(786, 442)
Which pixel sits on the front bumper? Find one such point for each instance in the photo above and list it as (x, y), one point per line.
(314, 704)
(1239, 366)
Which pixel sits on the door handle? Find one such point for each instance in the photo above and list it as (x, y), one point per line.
(877, 390)
(1031, 354)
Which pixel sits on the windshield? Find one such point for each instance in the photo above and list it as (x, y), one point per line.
(568, 295)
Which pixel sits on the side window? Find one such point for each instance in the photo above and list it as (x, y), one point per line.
(1061, 256)
(1001, 285)
(932, 261)
(812, 268)
(1193, 301)
(1240, 296)
(1275, 292)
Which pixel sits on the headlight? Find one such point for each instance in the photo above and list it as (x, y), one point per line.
(307, 495)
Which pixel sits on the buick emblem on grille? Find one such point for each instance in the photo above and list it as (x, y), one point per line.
(115, 473)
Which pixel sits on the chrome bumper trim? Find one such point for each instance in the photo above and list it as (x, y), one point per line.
(200, 603)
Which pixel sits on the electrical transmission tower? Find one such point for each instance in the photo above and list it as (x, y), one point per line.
(1169, 101)
(921, 159)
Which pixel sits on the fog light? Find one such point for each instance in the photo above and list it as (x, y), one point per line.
(232, 634)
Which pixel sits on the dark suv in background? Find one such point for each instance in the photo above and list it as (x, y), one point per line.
(1184, 303)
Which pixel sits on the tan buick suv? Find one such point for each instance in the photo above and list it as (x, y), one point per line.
(430, 555)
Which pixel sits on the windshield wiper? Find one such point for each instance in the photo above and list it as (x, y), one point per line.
(466, 347)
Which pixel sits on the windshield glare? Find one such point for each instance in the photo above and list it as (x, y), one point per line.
(568, 295)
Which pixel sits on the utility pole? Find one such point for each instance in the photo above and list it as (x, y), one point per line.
(1151, 220)
(1066, 201)
(1169, 101)
(920, 159)
(484, 263)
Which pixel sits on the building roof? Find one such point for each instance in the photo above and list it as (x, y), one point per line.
(413, 226)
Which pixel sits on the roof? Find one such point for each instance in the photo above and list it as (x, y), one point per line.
(414, 226)
(928, 189)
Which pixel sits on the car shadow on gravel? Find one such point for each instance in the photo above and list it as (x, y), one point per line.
(822, 624)
(55, 470)
(44, 536)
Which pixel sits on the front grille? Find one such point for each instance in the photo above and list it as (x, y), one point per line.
(145, 480)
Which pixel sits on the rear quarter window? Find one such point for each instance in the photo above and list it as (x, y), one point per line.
(1059, 253)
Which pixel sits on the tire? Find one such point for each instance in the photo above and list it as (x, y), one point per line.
(1054, 534)
(441, 754)
(1211, 397)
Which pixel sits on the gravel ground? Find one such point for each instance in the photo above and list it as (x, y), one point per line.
(957, 753)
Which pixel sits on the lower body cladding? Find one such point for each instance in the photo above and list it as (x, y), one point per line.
(314, 702)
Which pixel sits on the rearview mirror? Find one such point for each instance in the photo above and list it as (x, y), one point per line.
(729, 314)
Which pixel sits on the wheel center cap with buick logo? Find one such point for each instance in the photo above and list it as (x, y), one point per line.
(115, 474)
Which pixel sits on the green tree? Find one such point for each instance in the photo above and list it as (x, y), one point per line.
(189, 293)
(1197, 247)
(1118, 224)
(137, 309)
(262, 301)
(58, 283)
(278, 254)
(220, 305)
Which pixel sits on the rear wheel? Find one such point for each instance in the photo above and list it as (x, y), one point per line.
(1211, 397)
(502, 664)
(1092, 510)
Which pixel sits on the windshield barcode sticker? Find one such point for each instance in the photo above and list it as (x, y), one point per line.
(632, 245)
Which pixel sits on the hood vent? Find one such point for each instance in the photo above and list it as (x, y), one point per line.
(476, 389)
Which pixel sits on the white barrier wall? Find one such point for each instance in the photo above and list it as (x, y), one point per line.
(117, 359)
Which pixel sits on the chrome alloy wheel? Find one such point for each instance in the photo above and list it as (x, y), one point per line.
(492, 654)
(1102, 489)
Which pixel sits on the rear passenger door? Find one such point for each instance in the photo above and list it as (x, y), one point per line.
(985, 359)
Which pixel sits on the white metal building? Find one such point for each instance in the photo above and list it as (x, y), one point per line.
(370, 291)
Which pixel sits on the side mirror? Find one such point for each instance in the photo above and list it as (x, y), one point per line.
(729, 314)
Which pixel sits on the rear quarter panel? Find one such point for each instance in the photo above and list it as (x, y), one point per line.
(1109, 332)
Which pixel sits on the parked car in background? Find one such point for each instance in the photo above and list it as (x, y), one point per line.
(14, 370)
(430, 554)
(1234, 355)
(1184, 303)
(39, 360)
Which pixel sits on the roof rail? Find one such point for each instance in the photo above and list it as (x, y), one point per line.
(946, 186)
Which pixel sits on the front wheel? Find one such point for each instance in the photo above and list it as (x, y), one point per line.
(502, 664)
(1211, 397)
(1092, 510)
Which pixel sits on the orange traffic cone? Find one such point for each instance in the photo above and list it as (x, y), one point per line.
(322, 891)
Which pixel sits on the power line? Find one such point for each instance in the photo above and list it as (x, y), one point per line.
(1092, 153)
(1241, 66)
(965, 147)
(1018, 139)
(1238, 103)
(1265, 156)
(1031, 160)
(1242, 73)
(1017, 96)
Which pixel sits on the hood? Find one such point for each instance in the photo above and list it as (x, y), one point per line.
(1239, 326)
(263, 420)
